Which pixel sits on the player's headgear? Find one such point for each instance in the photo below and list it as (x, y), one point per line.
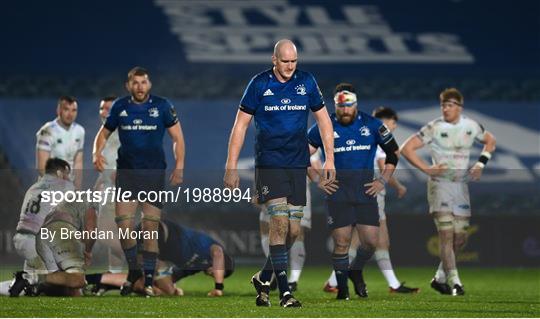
(344, 95)
(451, 94)
(345, 98)
(55, 164)
(229, 265)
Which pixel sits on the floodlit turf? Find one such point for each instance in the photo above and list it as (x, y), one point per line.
(489, 293)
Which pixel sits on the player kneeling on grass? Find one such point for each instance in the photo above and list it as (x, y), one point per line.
(182, 252)
(65, 257)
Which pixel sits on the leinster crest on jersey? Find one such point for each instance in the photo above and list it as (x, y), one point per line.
(301, 89)
(153, 112)
(364, 131)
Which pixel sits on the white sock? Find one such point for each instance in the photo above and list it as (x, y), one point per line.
(297, 259)
(453, 278)
(332, 280)
(440, 275)
(385, 265)
(4, 288)
(265, 244)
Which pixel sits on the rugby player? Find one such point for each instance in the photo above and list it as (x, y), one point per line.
(280, 100)
(33, 212)
(450, 139)
(106, 179)
(353, 206)
(65, 258)
(141, 120)
(382, 256)
(182, 252)
(62, 138)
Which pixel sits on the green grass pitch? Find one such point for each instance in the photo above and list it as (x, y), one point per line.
(489, 293)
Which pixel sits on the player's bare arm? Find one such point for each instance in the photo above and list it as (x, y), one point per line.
(393, 181)
(408, 150)
(236, 141)
(78, 169)
(489, 147)
(90, 224)
(218, 270)
(99, 143)
(41, 158)
(327, 136)
(179, 150)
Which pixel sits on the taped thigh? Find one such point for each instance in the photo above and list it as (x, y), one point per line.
(278, 209)
(121, 218)
(295, 212)
(461, 225)
(154, 219)
(444, 221)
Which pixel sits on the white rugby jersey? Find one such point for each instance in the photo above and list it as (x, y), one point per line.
(34, 209)
(69, 212)
(451, 144)
(61, 143)
(110, 152)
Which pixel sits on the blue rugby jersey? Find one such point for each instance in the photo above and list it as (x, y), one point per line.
(141, 128)
(186, 248)
(281, 113)
(355, 146)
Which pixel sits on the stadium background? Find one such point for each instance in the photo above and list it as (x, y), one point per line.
(201, 55)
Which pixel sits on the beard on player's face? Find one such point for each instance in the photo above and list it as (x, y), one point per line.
(346, 115)
(139, 94)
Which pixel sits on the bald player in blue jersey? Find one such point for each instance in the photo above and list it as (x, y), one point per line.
(353, 204)
(280, 100)
(141, 120)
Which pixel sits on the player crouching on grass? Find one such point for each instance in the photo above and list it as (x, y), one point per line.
(65, 259)
(182, 252)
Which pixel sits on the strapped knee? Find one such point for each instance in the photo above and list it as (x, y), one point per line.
(461, 225)
(154, 219)
(296, 212)
(278, 209)
(444, 222)
(121, 218)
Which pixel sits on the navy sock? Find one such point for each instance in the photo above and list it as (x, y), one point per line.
(341, 267)
(362, 257)
(279, 257)
(131, 258)
(149, 266)
(267, 271)
(93, 278)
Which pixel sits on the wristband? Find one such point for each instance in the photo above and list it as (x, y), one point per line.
(484, 158)
(480, 164)
(218, 286)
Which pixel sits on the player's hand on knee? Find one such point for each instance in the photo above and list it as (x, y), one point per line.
(328, 188)
(476, 172)
(437, 169)
(215, 293)
(231, 179)
(99, 162)
(177, 177)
